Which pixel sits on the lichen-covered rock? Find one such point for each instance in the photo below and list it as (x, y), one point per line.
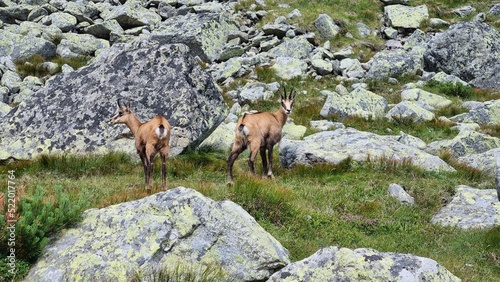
(19, 46)
(469, 50)
(131, 14)
(482, 113)
(204, 34)
(179, 225)
(409, 110)
(359, 102)
(341, 264)
(326, 27)
(70, 113)
(339, 145)
(297, 48)
(289, 67)
(390, 63)
(466, 142)
(401, 16)
(470, 208)
(221, 139)
(485, 162)
(75, 45)
(425, 98)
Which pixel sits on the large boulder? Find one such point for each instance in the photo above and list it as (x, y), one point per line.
(342, 264)
(341, 144)
(70, 113)
(469, 50)
(205, 34)
(167, 229)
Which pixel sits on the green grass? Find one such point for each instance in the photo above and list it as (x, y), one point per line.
(305, 208)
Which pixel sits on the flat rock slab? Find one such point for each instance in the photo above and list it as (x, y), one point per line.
(342, 264)
(165, 229)
(470, 208)
(339, 145)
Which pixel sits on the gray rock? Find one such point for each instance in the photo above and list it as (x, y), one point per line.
(104, 29)
(410, 140)
(288, 67)
(400, 16)
(331, 264)
(399, 193)
(497, 176)
(352, 68)
(485, 162)
(4, 109)
(254, 91)
(326, 27)
(339, 145)
(221, 139)
(297, 48)
(70, 113)
(464, 11)
(409, 110)
(469, 50)
(322, 67)
(466, 142)
(63, 21)
(75, 45)
(19, 46)
(470, 208)
(204, 34)
(324, 125)
(425, 98)
(176, 227)
(13, 13)
(278, 30)
(227, 69)
(443, 77)
(438, 23)
(359, 102)
(482, 113)
(397, 62)
(363, 30)
(495, 10)
(131, 14)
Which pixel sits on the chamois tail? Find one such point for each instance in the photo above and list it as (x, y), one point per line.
(161, 132)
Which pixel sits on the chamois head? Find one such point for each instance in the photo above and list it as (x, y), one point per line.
(287, 101)
(122, 114)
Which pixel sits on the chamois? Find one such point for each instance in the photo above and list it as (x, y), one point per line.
(260, 131)
(151, 138)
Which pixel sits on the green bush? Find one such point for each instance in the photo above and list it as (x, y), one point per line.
(39, 217)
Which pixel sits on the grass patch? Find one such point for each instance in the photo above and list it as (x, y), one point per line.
(33, 66)
(305, 207)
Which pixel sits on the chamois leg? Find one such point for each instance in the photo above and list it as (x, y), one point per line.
(163, 170)
(236, 151)
(270, 156)
(251, 160)
(264, 161)
(145, 166)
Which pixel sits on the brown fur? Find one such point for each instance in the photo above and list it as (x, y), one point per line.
(260, 132)
(147, 142)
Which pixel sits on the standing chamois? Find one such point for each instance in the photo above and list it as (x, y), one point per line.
(151, 138)
(260, 131)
